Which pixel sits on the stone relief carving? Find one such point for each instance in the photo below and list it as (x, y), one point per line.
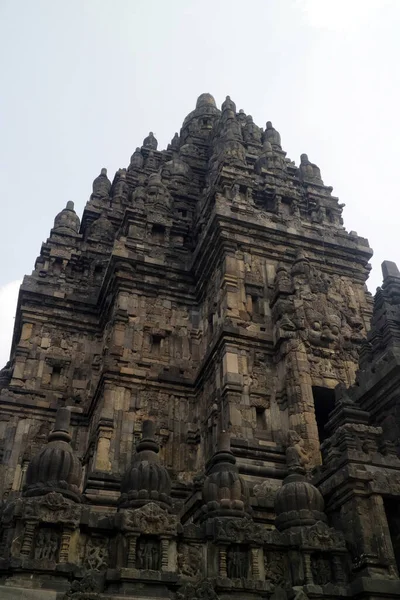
(321, 568)
(149, 519)
(318, 309)
(296, 455)
(88, 588)
(237, 562)
(204, 590)
(190, 558)
(323, 537)
(148, 554)
(238, 530)
(51, 508)
(47, 543)
(266, 491)
(96, 553)
(276, 567)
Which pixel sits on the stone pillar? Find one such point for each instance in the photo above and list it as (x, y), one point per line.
(223, 571)
(29, 534)
(307, 569)
(65, 543)
(301, 400)
(367, 532)
(255, 563)
(102, 458)
(132, 542)
(164, 554)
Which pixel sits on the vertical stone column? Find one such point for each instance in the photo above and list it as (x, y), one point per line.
(132, 542)
(223, 570)
(102, 458)
(300, 399)
(65, 543)
(367, 532)
(164, 553)
(307, 569)
(382, 534)
(255, 563)
(29, 534)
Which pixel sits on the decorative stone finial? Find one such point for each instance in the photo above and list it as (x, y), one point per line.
(265, 160)
(228, 104)
(67, 221)
(224, 491)
(205, 100)
(101, 185)
(298, 503)
(55, 468)
(137, 160)
(252, 133)
(175, 142)
(150, 141)
(146, 480)
(102, 228)
(389, 270)
(309, 171)
(271, 135)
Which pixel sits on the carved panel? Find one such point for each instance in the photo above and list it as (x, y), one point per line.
(47, 543)
(237, 562)
(148, 555)
(190, 559)
(276, 567)
(96, 553)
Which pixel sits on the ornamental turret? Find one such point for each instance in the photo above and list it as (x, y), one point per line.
(298, 503)
(272, 136)
(55, 468)
(146, 480)
(67, 221)
(150, 142)
(101, 186)
(225, 492)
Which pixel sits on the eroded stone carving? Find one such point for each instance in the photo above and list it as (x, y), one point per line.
(46, 544)
(190, 557)
(204, 590)
(148, 554)
(96, 554)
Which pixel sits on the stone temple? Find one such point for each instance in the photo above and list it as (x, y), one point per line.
(202, 400)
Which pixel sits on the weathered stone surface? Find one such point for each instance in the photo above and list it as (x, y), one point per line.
(195, 325)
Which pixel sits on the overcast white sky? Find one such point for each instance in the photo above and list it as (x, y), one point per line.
(84, 81)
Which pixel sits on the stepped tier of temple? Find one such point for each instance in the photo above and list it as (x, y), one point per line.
(201, 397)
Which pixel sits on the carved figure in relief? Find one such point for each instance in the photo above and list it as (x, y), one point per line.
(148, 556)
(276, 568)
(321, 569)
(296, 456)
(88, 587)
(237, 562)
(97, 554)
(46, 545)
(189, 559)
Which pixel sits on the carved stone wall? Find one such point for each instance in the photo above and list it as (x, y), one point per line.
(212, 288)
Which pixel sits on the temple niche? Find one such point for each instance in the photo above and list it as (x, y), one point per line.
(201, 401)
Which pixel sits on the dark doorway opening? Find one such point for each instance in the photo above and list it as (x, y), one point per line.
(324, 403)
(392, 510)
